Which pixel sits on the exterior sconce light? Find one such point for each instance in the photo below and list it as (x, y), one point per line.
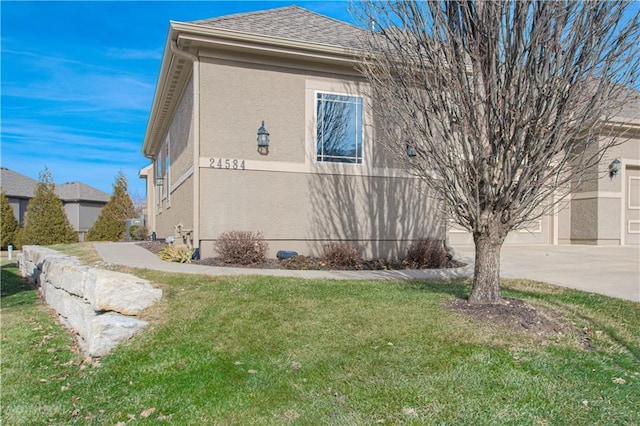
(411, 151)
(263, 140)
(159, 181)
(614, 168)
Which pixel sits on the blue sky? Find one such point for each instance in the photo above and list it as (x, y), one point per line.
(78, 79)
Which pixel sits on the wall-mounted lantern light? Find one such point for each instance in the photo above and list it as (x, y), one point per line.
(263, 140)
(159, 181)
(614, 168)
(411, 151)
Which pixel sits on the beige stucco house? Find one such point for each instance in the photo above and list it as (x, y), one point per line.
(291, 73)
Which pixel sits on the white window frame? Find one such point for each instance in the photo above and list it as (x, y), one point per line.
(629, 188)
(361, 112)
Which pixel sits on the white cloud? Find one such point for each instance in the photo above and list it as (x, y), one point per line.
(138, 54)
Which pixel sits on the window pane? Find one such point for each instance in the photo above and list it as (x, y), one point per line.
(339, 128)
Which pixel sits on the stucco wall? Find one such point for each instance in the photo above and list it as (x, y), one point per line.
(181, 134)
(177, 206)
(298, 204)
(89, 213)
(584, 221)
(303, 212)
(180, 210)
(597, 206)
(235, 99)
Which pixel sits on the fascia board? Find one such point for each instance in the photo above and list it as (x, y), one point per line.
(147, 148)
(624, 125)
(228, 38)
(231, 40)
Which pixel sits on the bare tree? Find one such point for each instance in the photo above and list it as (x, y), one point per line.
(505, 103)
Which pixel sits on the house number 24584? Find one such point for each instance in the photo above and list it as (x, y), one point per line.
(226, 163)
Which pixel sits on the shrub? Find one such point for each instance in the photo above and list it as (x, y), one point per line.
(45, 221)
(176, 254)
(10, 231)
(132, 231)
(342, 255)
(242, 247)
(141, 233)
(426, 254)
(110, 225)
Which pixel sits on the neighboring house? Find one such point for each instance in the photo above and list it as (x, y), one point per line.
(82, 203)
(322, 178)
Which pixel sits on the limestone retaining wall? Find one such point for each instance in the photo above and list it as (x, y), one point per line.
(98, 304)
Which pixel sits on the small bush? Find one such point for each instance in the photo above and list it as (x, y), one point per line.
(342, 255)
(138, 233)
(176, 254)
(242, 247)
(426, 254)
(132, 231)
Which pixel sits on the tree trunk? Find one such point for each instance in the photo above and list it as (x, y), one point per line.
(486, 279)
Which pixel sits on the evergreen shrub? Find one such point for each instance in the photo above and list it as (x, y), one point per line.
(110, 225)
(9, 224)
(45, 220)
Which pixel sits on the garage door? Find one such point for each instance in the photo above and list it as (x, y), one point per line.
(632, 206)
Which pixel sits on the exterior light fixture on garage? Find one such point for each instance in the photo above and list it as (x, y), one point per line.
(614, 168)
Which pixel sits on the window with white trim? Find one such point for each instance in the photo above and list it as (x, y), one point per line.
(338, 128)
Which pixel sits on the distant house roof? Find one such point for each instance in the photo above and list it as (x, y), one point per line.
(290, 23)
(78, 191)
(17, 185)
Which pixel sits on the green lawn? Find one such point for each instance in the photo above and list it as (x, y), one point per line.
(264, 350)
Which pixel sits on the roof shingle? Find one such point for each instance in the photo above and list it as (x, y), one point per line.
(16, 185)
(290, 23)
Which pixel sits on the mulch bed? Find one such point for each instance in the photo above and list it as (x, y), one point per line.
(308, 264)
(516, 315)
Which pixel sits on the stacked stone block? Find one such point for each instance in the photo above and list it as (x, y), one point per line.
(99, 305)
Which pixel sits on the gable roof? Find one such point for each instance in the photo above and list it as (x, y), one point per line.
(290, 23)
(78, 191)
(17, 185)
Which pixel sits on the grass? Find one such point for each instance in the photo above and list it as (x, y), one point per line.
(265, 350)
(85, 252)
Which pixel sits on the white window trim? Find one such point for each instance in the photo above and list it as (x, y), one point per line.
(629, 187)
(362, 127)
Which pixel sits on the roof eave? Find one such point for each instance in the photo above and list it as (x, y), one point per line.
(199, 36)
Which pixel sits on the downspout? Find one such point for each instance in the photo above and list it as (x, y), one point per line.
(196, 139)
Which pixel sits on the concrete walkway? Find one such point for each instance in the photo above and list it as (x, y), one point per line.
(132, 255)
(609, 270)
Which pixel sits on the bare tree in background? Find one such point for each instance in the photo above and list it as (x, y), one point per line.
(505, 103)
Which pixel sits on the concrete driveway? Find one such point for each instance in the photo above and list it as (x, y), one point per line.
(609, 270)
